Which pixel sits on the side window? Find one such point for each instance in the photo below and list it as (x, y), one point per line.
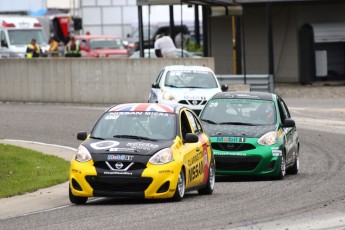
(159, 76)
(284, 113)
(196, 127)
(3, 39)
(185, 126)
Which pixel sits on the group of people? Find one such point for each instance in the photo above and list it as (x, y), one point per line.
(72, 49)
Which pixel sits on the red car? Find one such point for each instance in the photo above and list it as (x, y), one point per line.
(97, 46)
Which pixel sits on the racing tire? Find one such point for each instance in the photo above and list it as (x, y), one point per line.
(294, 169)
(180, 187)
(76, 199)
(208, 190)
(282, 168)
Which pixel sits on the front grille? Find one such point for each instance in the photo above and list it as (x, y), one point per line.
(237, 163)
(104, 166)
(192, 102)
(232, 146)
(114, 184)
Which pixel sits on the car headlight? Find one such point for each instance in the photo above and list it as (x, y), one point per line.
(102, 56)
(162, 157)
(83, 154)
(168, 96)
(269, 138)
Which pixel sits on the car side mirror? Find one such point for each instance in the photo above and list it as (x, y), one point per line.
(155, 85)
(82, 136)
(191, 138)
(289, 123)
(224, 88)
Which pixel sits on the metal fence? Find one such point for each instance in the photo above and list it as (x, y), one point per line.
(258, 83)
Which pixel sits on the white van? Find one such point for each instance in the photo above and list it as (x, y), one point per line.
(16, 33)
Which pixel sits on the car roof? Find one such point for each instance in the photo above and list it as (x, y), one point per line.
(94, 36)
(244, 95)
(187, 67)
(143, 107)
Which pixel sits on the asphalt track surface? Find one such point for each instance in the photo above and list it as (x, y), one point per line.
(312, 199)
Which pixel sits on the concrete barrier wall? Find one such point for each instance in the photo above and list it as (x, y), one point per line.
(105, 81)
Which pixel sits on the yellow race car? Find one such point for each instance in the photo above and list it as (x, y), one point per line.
(144, 150)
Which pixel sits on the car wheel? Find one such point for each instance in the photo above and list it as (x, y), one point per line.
(294, 169)
(282, 169)
(180, 187)
(208, 190)
(76, 199)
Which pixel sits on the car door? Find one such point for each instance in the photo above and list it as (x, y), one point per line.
(155, 88)
(198, 160)
(290, 133)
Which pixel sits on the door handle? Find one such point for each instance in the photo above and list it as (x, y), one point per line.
(198, 149)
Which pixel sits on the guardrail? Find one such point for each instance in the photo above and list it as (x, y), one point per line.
(258, 83)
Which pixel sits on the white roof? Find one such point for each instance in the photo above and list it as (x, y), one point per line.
(19, 21)
(187, 67)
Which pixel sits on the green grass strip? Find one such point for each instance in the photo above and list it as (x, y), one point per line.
(24, 170)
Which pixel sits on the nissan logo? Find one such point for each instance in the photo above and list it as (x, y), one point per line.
(194, 102)
(230, 146)
(118, 165)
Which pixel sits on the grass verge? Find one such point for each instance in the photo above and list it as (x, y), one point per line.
(24, 170)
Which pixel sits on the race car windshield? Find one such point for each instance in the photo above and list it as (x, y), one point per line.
(240, 112)
(136, 125)
(106, 44)
(190, 79)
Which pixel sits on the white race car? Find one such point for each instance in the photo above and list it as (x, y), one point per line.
(190, 86)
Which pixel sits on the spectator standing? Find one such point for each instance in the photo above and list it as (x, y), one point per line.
(53, 47)
(72, 49)
(164, 46)
(33, 50)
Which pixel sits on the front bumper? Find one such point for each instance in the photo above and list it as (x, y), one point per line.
(155, 182)
(263, 161)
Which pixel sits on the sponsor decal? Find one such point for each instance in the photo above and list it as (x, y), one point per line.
(280, 132)
(141, 146)
(195, 158)
(117, 173)
(125, 113)
(118, 165)
(121, 150)
(166, 171)
(156, 114)
(104, 145)
(195, 171)
(242, 139)
(119, 157)
(276, 152)
(216, 153)
(227, 139)
(111, 117)
(187, 97)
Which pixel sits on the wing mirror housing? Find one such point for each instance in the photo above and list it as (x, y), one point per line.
(288, 123)
(191, 138)
(224, 88)
(82, 136)
(155, 85)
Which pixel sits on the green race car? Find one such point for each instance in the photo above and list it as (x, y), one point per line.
(251, 133)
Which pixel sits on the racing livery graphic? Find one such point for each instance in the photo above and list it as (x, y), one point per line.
(251, 133)
(143, 150)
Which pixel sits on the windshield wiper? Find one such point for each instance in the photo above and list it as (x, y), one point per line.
(172, 86)
(98, 138)
(209, 121)
(236, 123)
(134, 137)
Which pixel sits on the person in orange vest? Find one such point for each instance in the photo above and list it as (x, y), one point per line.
(33, 50)
(72, 49)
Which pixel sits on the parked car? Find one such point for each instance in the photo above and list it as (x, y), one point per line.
(129, 154)
(97, 46)
(252, 133)
(150, 53)
(190, 86)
